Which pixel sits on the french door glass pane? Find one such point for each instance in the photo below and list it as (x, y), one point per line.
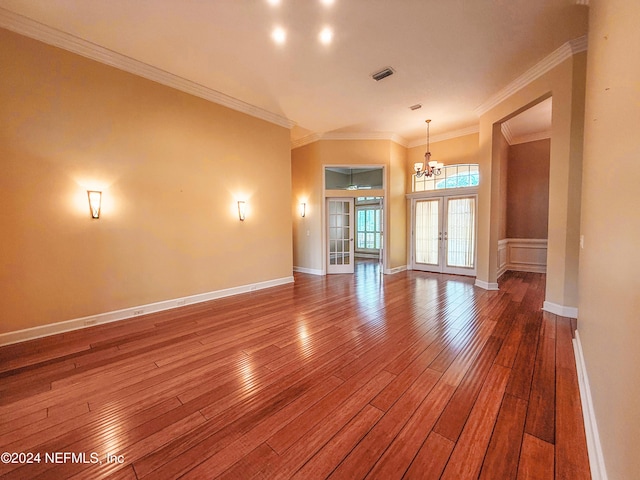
(461, 232)
(426, 235)
(339, 243)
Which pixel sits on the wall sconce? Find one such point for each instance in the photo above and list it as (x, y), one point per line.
(242, 210)
(95, 199)
(303, 209)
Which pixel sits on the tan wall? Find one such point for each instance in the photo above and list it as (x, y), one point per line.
(528, 190)
(307, 164)
(171, 167)
(503, 156)
(397, 207)
(306, 181)
(566, 82)
(454, 151)
(609, 319)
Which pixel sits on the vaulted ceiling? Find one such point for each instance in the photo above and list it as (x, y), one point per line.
(449, 56)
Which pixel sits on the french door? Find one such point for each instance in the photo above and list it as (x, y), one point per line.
(340, 234)
(444, 234)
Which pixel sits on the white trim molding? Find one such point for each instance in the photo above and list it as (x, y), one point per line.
(108, 317)
(522, 255)
(562, 310)
(446, 136)
(391, 271)
(487, 285)
(310, 271)
(551, 61)
(314, 137)
(49, 35)
(594, 447)
(505, 128)
(531, 137)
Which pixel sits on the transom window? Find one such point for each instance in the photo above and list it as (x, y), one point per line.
(452, 176)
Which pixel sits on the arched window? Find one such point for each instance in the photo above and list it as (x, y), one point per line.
(451, 176)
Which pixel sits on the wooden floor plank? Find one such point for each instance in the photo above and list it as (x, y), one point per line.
(413, 375)
(571, 463)
(501, 459)
(405, 446)
(542, 401)
(468, 454)
(537, 460)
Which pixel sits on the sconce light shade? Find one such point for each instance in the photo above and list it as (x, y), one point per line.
(303, 209)
(95, 199)
(242, 210)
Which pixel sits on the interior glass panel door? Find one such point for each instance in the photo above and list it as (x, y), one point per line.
(340, 232)
(427, 238)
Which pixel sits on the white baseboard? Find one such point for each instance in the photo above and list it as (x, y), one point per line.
(562, 310)
(501, 271)
(391, 271)
(108, 317)
(310, 271)
(594, 447)
(486, 285)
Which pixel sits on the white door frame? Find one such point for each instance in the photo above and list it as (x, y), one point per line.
(347, 241)
(353, 194)
(444, 195)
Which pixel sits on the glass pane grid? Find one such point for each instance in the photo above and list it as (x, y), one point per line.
(452, 176)
(427, 235)
(339, 242)
(461, 232)
(368, 227)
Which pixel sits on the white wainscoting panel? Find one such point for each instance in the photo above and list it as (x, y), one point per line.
(522, 255)
(503, 249)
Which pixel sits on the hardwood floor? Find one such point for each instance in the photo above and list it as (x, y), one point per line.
(412, 375)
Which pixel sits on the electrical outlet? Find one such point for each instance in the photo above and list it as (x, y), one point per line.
(180, 302)
(138, 312)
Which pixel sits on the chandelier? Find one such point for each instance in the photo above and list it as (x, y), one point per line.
(430, 167)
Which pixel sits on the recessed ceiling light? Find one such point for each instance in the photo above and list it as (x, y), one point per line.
(274, 2)
(326, 35)
(327, 2)
(279, 35)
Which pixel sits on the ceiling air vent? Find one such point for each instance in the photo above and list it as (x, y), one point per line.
(384, 73)
(417, 106)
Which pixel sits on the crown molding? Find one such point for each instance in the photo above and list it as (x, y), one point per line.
(306, 140)
(551, 61)
(314, 137)
(49, 35)
(446, 136)
(506, 132)
(531, 137)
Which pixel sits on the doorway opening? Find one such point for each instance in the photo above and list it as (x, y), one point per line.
(354, 219)
(444, 234)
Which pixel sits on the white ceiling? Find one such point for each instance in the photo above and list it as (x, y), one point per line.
(450, 56)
